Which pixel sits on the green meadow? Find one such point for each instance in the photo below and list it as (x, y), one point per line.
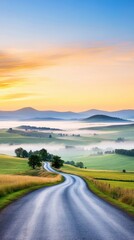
(100, 174)
(97, 134)
(107, 162)
(113, 186)
(14, 138)
(113, 132)
(12, 165)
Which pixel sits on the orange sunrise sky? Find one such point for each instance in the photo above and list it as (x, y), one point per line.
(53, 59)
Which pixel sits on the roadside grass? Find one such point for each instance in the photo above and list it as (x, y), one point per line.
(12, 183)
(108, 185)
(13, 187)
(17, 179)
(125, 195)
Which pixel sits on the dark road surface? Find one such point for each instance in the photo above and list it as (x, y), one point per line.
(68, 211)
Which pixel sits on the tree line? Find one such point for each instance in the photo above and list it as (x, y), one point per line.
(35, 158)
(77, 164)
(125, 152)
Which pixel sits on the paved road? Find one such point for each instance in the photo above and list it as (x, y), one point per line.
(68, 211)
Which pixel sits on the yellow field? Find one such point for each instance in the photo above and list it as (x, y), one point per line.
(125, 195)
(103, 175)
(12, 183)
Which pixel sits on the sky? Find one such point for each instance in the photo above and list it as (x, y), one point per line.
(67, 54)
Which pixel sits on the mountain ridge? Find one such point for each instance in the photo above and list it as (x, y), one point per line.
(29, 113)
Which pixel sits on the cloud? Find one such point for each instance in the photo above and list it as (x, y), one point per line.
(14, 61)
(10, 81)
(15, 96)
(104, 55)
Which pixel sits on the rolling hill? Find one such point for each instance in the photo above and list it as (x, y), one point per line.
(103, 118)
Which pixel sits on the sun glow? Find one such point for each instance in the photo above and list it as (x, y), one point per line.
(68, 79)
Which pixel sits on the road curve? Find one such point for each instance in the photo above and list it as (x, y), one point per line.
(68, 211)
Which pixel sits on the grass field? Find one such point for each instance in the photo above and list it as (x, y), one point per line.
(114, 132)
(12, 165)
(103, 133)
(120, 184)
(103, 175)
(107, 162)
(17, 179)
(115, 187)
(14, 138)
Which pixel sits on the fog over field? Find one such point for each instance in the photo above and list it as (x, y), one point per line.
(73, 132)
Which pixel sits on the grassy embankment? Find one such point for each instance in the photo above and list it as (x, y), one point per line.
(114, 187)
(17, 179)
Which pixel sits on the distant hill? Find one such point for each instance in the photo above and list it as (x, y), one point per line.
(103, 118)
(29, 114)
(125, 114)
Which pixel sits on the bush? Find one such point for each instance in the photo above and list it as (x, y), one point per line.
(80, 164)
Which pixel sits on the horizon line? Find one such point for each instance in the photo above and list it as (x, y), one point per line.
(90, 109)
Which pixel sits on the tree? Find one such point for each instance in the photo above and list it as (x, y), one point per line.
(19, 152)
(34, 161)
(43, 154)
(49, 157)
(25, 154)
(30, 153)
(57, 162)
(22, 153)
(70, 162)
(80, 164)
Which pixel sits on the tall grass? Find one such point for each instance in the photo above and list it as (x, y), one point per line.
(121, 194)
(13, 183)
(114, 187)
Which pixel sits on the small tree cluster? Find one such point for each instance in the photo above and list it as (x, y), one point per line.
(78, 164)
(22, 153)
(36, 158)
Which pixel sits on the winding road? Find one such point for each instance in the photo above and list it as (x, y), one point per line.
(68, 211)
